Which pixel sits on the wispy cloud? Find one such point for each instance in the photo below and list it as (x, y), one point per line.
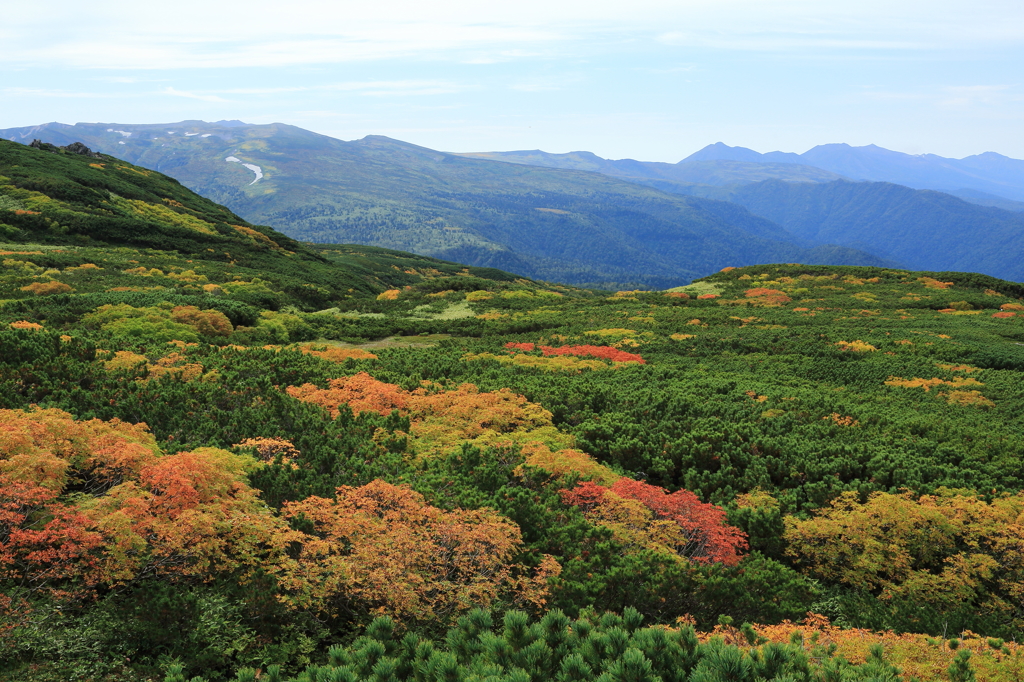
(969, 96)
(369, 88)
(191, 95)
(47, 92)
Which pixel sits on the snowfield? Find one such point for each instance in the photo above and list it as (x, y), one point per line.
(254, 168)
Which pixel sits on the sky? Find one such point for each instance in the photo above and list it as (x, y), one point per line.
(654, 80)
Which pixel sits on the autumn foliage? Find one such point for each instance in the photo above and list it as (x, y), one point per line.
(91, 505)
(47, 288)
(441, 420)
(933, 549)
(647, 516)
(381, 548)
(768, 297)
(602, 352)
(205, 322)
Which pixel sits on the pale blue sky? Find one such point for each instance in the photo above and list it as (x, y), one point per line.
(646, 79)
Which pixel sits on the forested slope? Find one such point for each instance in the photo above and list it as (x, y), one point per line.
(451, 474)
(919, 228)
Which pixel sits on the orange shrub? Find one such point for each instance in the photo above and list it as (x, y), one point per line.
(336, 354)
(206, 322)
(767, 297)
(47, 288)
(382, 547)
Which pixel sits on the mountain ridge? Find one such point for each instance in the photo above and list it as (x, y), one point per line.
(988, 172)
(571, 226)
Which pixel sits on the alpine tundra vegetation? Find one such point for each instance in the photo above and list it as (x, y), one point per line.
(226, 454)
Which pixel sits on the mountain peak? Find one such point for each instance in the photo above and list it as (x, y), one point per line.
(720, 151)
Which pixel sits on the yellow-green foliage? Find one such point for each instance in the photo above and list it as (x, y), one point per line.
(158, 323)
(936, 549)
(22, 268)
(163, 214)
(611, 333)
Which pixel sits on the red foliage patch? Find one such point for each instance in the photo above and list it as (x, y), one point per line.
(711, 540)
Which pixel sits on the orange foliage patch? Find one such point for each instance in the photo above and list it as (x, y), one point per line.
(382, 546)
(268, 449)
(47, 288)
(916, 656)
(25, 324)
(389, 295)
(704, 297)
(1004, 314)
(767, 297)
(443, 419)
(206, 322)
(1012, 306)
(361, 392)
(677, 294)
(335, 354)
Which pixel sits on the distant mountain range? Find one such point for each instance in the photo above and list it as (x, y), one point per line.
(562, 225)
(720, 165)
(578, 218)
(988, 173)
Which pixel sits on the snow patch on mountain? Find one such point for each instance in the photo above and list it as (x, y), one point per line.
(122, 132)
(254, 168)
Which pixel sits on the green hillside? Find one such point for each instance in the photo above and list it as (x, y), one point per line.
(440, 473)
(569, 226)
